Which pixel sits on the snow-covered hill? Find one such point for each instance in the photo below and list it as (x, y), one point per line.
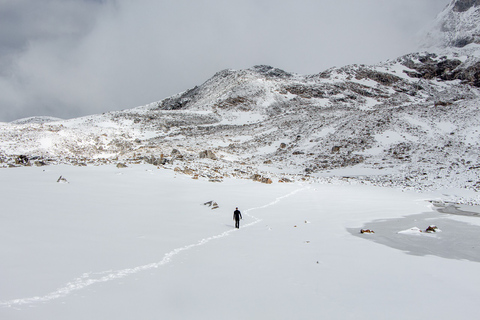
(411, 122)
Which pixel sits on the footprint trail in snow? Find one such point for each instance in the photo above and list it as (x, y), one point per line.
(91, 278)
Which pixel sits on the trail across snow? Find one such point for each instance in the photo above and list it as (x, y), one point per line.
(92, 278)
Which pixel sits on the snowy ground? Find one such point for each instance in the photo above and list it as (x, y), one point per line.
(138, 243)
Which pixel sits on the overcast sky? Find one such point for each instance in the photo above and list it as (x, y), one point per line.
(69, 58)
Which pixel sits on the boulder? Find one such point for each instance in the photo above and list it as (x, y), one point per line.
(39, 163)
(259, 178)
(176, 154)
(366, 231)
(188, 171)
(22, 160)
(267, 180)
(336, 149)
(211, 204)
(207, 154)
(256, 177)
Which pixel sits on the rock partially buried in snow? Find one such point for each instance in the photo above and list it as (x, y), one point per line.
(61, 179)
(211, 204)
(432, 229)
(366, 231)
(259, 178)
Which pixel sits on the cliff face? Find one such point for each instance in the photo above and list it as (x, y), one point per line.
(464, 5)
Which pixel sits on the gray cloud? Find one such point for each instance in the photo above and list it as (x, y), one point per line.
(69, 58)
(23, 21)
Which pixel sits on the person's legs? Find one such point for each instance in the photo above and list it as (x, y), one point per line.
(237, 223)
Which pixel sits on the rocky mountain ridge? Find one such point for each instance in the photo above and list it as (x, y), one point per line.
(412, 122)
(456, 26)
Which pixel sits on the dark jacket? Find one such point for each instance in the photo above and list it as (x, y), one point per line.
(237, 215)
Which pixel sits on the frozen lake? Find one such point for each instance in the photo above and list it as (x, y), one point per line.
(139, 243)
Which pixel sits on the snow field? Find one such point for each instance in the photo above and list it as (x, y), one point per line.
(138, 243)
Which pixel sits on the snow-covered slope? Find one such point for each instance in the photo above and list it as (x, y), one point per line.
(412, 122)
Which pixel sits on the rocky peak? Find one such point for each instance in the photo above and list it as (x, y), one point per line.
(271, 72)
(456, 27)
(464, 5)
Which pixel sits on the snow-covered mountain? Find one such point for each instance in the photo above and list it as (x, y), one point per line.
(457, 26)
(412, 122)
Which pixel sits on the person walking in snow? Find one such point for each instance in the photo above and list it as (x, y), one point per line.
(237, 216)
